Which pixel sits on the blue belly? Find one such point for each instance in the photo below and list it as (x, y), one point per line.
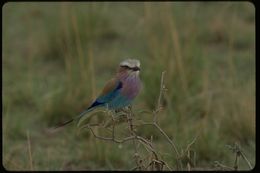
(118, 102)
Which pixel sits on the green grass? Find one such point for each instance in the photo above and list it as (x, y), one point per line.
(58, 56)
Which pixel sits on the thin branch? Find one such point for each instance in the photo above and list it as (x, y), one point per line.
(188, 151)
(236, 162)
(224, 167)
(144, 141)
(166, 164)
(111, 139)
(168, 139)
(162, 89)
(131, 129)
(237, 149)
(165, 135)
(192, 142)
(247, 161)
(158, 163)
(188, 163)
(113, 130)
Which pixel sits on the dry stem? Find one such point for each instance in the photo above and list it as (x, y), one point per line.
(155, 163)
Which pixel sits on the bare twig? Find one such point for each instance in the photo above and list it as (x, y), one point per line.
(155, 122)
(129, 119)
(157, 164)
(222, 166)
(168, 139)
(247, 161)
(236, 161)
(113, 130)
(192, 142)
(147, 144)
(188, 152)
(166, 164)
(110, 139)
(165, 135)
(238, 151)
(162, 89)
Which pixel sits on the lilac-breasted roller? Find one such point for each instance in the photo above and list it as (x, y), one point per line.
(118, 92)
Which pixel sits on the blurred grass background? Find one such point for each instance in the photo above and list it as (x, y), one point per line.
(58, 56)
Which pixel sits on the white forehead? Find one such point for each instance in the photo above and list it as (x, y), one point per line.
(130, 63)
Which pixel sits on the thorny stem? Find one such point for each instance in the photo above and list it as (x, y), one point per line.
(139, 138)
(155, 122)
(168, 139)
(129, 118)
(143, 141)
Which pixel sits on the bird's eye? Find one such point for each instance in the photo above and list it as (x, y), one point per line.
(125, 66)
(131, 68)
(136, 68)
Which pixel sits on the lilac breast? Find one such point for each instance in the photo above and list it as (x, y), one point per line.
(131, 86)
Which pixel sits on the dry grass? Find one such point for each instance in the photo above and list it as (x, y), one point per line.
(57, 57)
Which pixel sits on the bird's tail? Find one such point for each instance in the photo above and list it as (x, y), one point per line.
(73, 119)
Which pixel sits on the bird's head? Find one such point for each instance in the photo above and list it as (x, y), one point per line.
(130, 67)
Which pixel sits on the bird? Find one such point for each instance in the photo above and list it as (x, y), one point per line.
(118, 92)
